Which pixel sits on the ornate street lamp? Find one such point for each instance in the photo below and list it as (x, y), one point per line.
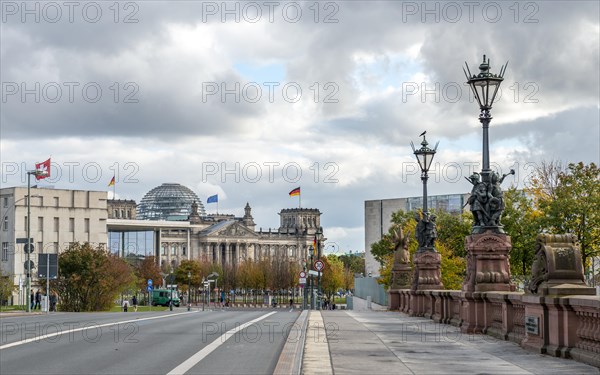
(485, 86)
(427, 261)
(486, 198)
(424, 157)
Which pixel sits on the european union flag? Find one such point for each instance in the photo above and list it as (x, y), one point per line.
(213, 199)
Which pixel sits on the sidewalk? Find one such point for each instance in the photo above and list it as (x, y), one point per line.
(378, 342)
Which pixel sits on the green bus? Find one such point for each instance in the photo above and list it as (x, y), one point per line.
(163, 296)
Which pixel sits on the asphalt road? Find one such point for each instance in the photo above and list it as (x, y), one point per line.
(209, 342)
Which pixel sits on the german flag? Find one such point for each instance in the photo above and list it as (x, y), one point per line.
(112, 182)
(315, 249)
(295, 192)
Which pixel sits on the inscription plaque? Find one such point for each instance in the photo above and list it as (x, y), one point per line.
(532, 324)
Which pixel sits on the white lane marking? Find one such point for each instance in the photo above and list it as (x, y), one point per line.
(194, 359)
(95, 326)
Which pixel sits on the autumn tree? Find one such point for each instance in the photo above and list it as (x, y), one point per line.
(570, 203)
(332, 276)
(147, 270)
(91, 279)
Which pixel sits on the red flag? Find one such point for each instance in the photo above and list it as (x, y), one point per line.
(42, 170)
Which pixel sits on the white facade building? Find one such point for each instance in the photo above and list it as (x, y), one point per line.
(58, 218)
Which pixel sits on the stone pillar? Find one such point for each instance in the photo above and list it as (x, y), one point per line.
(488, 270)
(487, 263)
(427, 275)
(227, 254)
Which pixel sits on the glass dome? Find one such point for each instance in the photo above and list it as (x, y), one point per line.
(168, 202)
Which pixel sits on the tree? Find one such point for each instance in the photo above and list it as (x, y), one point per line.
(453, 267)
(148, 270)
(572, 205)
(385, 246)
(522, 222)
(353, 262)
(6, 287)
(181, 274)
(452, 230)
(332, 276)
(91, 279)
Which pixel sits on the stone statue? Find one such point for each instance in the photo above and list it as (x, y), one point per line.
(420, 230)
(486, 200)
(401, 254)
(430, 231)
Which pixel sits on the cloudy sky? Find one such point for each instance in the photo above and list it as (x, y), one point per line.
(253, 99)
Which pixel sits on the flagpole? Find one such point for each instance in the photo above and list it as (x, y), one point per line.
(300, 199)
(114, 190)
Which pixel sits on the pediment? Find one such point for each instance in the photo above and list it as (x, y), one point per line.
(236, 230)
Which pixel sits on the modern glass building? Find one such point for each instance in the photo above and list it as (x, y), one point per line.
(168, 201)
(128, 244)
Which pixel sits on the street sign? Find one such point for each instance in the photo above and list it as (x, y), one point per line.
(149, 282)
(149, 288)
(319, 265)
(28, 248)
(30, 262)
(302, 280)
(24, 240)
(313, 272)
(302, 274)
(44, 268)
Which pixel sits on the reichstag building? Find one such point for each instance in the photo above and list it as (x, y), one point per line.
(171, 223)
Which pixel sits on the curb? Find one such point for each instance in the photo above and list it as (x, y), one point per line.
(290, 360)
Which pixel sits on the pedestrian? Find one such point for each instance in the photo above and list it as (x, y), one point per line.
(125, 304)
(134, 303)
(53, 298)
(291, 303)
(32, 300)
(38, 300)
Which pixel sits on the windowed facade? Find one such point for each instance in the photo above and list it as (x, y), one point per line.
(86, 225)
(71, 224)
(56, 224)
(5, 202)
(5, 223)
(56, 202)
(40, 224)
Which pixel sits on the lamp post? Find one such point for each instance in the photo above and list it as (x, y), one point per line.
(424, 157)
(216, 276)
(318, 237)
(486, 197)
(485, 86)
(311, 249)
(427, 261)
(29, 244)
(171, 287)
(189, 295)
